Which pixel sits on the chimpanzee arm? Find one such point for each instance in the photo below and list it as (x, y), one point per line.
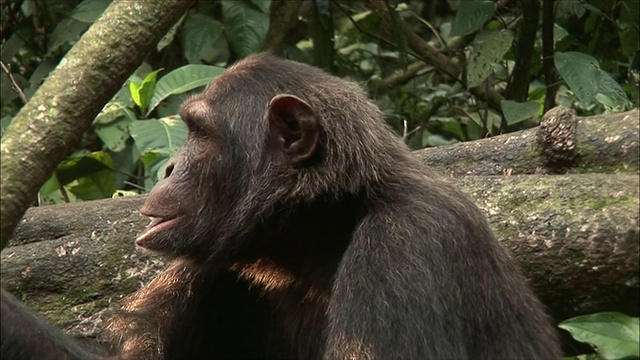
(25, 336)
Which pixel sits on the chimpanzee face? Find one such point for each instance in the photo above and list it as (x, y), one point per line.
(224, 172)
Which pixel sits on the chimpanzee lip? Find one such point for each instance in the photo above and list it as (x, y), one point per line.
(157, 225)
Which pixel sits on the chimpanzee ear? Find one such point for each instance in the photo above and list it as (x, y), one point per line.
(294, 126)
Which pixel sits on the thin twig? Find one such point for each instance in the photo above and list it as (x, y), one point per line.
(7, 69)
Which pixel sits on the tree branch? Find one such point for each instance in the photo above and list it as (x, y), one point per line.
(48, 126)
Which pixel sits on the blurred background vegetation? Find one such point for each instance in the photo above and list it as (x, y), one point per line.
(441, 71)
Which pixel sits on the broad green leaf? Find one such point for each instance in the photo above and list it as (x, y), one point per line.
(262, 5)
(100, 185)
(89, 11)
(471, 16)
(170, 106)
(182, 80)
(581, 72)
(615, 335)
(515, 112)
(245, 26)
(585, 78)
(199, 33)
(169, 133)
(50, 186)
(489, 47)
(79, 166)
(114, 135)
(155, 162)
(112, 111)
(610, 103)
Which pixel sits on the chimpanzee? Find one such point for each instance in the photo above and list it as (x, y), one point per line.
(299, 226)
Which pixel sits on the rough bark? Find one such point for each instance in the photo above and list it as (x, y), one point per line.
(575, 237)
(605, 143)
(52, 122)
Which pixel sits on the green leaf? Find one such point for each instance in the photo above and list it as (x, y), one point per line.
(50, 186)
(583, 75)
(182, 80)
(471, 16)
(165, 133)
(155, 162)
(489, 47)
(615, 335)
(79, 166)
(245, 26)
(515, 112)
(134, 89)
(114, 135)
(262, 5)
(610, 103)
(100, 185)
(199, 34)
(89, 11)
(88, 176)
(142, 93)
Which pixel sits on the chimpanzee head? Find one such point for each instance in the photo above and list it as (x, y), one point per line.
(265, 137)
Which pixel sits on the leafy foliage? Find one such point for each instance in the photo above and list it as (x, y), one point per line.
(441, 71)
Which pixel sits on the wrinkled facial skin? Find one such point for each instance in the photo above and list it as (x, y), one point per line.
(185, 204)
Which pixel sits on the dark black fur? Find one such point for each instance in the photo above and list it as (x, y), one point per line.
(303, 228)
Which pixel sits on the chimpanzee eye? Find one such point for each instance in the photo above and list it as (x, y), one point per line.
(195, 130)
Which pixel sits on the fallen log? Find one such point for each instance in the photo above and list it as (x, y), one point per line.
(563, 144)
(575, 237)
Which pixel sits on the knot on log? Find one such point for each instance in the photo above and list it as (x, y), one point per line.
(557, 138)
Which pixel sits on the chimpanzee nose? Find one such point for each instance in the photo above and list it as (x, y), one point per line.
(168, 170)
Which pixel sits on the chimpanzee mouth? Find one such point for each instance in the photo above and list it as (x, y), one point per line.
(157, 225)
